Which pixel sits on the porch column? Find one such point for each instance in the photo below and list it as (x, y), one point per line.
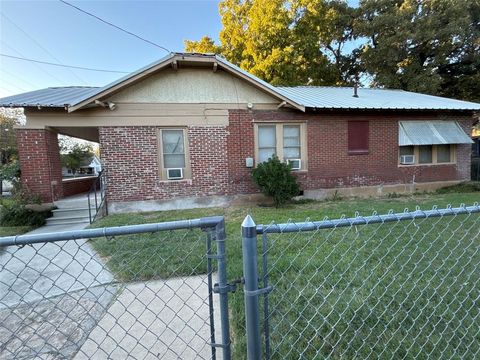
(39, 157)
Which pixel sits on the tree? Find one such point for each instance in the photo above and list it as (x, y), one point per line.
(426, 46)
(274, 178)
(75, 155)
(204, 45)
(286, 42)
(9, 167)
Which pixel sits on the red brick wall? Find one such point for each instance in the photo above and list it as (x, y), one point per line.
(217, 156)
(132, 163)
(330, 165)
(39, 157)
(77, 186)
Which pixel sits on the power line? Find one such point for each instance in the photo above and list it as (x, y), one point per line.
(115, 26)
(40, 46)
(20, 54)
(62, 65)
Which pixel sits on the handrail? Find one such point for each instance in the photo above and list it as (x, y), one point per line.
(99, 186)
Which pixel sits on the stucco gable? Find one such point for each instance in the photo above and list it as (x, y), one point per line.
(193, 85)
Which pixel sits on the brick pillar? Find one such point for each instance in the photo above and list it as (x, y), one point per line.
(39, 157)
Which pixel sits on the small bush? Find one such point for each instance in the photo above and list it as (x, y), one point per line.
(19, 215)
(275, 179)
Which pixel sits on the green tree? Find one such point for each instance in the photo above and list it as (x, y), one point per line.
(286, 42)
(9, 167)
(75, 155)
(426, 46)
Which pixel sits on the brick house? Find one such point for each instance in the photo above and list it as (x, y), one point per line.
(194, 125)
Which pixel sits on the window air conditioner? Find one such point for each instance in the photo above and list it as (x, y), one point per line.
(174, 173)
(295, 163)
(407, 159)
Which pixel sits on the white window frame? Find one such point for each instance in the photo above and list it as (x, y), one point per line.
(187, 172)
(279, 141)
(416, 153)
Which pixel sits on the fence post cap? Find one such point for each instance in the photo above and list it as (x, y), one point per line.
(248, 222)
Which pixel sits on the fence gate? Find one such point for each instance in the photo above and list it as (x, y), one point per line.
(139, 291)
(392, 286)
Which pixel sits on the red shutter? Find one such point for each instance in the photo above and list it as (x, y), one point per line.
(358, 137)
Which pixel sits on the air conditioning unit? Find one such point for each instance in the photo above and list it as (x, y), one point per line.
(296, 164)
(174, 173)
(407, 159)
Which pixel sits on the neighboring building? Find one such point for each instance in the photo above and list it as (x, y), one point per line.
(90, 166)
(185, 131)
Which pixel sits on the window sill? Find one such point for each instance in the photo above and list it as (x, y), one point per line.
(431, 164)
(358, 152)
(185, 181)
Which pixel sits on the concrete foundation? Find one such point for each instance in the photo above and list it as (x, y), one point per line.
(236, 200)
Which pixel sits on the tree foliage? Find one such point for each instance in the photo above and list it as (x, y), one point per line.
(426, 46)
(274, 178)
(75, 155)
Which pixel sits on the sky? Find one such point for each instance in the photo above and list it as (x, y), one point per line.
(54, 32)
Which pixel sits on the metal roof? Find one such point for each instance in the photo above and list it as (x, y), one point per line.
(299, 97)
(327, 97)
(432, 132)
(50, 97)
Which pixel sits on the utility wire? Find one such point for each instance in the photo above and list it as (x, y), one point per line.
(115, 26)
(40, 46)
(62, 65)
(41, 68)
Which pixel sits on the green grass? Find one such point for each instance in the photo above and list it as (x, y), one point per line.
(384, 291)
(14, 230)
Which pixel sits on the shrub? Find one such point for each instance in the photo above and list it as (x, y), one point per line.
(275, 179)
(19, 215)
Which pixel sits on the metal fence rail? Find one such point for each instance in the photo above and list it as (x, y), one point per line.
(119, 295)
(391, 286)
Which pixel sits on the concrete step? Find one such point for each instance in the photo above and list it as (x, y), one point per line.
(74, 212)
(67, 220)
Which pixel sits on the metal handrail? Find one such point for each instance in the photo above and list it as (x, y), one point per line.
(99, 186)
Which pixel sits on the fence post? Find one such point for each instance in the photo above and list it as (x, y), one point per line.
(250, 273)
(220, 238)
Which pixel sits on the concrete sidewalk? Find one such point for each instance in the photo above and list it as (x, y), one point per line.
(59, 301)
(51, 296)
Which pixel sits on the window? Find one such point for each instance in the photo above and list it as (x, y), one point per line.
(444, 154)
(174, 160)
(358, 137)
(266, 142)
(427, 154)
(287, 141)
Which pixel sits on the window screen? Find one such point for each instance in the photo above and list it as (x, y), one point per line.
(267, 142)
(358, 137)
(443, 153)
(425, 154)
(173, 147)
(291, 141)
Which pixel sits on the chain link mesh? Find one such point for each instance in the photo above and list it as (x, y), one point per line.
(408, 289)
(141, 296)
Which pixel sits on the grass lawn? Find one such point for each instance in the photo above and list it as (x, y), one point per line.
(14, 230)
(400, 290)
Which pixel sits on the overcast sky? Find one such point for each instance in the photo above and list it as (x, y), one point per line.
(54, 32)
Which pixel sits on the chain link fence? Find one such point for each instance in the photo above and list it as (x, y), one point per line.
(141, 292)
(391, 286)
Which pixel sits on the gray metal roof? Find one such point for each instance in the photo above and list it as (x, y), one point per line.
(49, 97)
(325, 97)
(432, 132)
